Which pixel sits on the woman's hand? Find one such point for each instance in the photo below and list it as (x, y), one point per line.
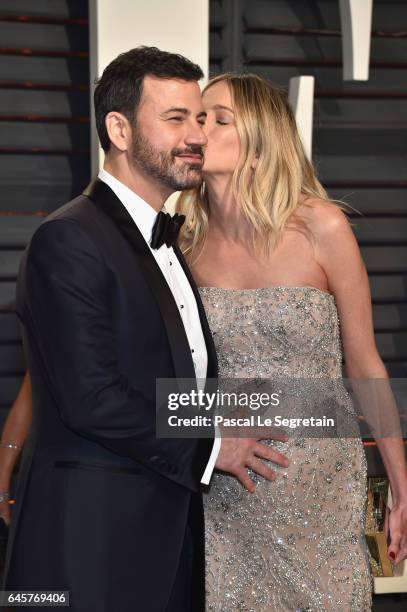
(5, 512)
(397, 533)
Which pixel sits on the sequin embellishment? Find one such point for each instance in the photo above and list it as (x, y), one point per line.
(296, 544)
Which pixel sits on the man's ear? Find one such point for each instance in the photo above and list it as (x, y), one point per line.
(119, 130)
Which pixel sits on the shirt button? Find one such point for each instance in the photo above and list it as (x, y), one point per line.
(170, 263)
(192, 351)
(182, 306)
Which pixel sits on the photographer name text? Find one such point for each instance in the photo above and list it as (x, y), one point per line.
(253, 420)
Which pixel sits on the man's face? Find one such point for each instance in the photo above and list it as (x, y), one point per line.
(168, 139)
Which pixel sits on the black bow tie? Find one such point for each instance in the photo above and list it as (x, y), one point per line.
(166, 229)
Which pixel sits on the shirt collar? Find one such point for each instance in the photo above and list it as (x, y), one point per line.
(141, 212)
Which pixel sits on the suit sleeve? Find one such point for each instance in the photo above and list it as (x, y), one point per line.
(67, 313)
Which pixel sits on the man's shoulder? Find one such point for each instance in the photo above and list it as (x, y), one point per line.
(79, 209)
(80, 214)
(73, 221)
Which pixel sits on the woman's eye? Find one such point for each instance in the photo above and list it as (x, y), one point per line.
(178, 119)
(221, 122)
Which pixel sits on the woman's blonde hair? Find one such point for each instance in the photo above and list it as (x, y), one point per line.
(269, 193)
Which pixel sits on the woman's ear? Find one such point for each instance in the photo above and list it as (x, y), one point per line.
(119, 130)
(254, 162)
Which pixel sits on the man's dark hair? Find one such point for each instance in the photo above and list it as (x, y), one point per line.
(120, 86)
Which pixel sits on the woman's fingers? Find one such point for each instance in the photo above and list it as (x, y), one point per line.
(5, 512)
(397, 550)
(394, 549)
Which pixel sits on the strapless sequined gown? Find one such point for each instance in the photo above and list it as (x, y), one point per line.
(297, 543)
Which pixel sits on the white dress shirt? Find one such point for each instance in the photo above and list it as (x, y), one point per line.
(144, 217)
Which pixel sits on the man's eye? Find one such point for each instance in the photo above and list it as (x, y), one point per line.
(201, 121)
(176, 119)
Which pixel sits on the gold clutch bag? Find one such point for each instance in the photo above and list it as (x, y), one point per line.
(374, 527)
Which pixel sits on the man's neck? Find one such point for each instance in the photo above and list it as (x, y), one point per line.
(146, 187)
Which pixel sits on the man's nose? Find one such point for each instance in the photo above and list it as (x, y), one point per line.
(196, 135)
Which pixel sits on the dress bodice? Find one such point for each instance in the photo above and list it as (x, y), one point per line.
(274, 331)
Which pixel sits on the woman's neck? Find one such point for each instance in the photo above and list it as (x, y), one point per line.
(225, 217)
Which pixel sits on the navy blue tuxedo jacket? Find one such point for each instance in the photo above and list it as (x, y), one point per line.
(105, 509)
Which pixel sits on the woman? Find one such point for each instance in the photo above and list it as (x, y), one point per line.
(14, 433)
(277, 263)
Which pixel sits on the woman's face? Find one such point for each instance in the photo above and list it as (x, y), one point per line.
(222, 150)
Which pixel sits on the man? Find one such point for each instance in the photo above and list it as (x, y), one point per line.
(105, 509)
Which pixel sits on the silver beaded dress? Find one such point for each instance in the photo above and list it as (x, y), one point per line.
(298, 542)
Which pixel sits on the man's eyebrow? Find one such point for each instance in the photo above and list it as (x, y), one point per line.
(176, 109)
(183, 111)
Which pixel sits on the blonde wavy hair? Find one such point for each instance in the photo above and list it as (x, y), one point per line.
(269, 193)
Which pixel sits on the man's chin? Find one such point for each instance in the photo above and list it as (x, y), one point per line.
(192, 178)
(189, 185)
(183, 183)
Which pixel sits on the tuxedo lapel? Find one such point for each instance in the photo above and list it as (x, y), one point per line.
(107, 201)
(210, 346)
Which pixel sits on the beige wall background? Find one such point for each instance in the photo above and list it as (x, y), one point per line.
(179, 26)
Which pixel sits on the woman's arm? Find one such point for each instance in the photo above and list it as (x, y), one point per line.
(338, 253)
(14, 433)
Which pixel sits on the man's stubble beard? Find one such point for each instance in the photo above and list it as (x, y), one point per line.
(162, 165)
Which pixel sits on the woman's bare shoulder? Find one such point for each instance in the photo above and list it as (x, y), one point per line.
(323, 218)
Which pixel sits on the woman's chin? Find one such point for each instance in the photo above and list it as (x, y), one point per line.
(208, 168)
